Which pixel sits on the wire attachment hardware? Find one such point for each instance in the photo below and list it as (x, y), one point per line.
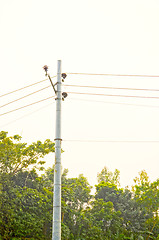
(63, 75)
(64, 95)
(46, 71)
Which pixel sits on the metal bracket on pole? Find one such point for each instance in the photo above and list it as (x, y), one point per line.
(46, 70)
(52, 83)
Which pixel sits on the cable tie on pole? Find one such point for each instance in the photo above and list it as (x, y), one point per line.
(58, 98)
(57, 139)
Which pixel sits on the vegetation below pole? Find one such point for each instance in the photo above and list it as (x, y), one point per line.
(111, 213)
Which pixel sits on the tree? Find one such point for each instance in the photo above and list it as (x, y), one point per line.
(16, 156)
(16, 160)
(107, 176)
(102, 221)
(133, 215)
(26, 199)
(146, 194)
(75, 197)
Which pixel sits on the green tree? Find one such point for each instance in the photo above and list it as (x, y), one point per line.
(146, 193)
(104, 219)
(16, 156)
(133, 215)
(26, 199)
(75, 198)
(107, 176)
(16, 159)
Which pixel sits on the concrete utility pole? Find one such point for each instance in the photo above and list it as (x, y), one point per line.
(56, 229)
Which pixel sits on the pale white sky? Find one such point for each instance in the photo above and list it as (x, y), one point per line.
(88, 36)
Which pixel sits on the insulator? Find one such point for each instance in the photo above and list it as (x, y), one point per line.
(64, 94)
(45, 68)
(64, 75)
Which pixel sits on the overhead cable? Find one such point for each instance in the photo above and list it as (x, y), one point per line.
(27, 105)
(24, 96)
(25, 87)
(114, 95)
(120, 103)
(116, 75)
(117, 88)
(26, 115)
(111, 141)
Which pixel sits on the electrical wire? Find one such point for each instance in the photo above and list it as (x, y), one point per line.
(84, 100)
(93, 74)
(79, 86)
(110, 141)
(25, 87)
(115, 75)
(15, 120)
(129, 104)
(24, 96)
(26, 105)
(117, 88)
(114, 95)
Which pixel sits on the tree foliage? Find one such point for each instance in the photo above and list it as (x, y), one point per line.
(111, 213)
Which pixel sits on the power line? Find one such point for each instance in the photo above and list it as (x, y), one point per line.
(26, 106)
(83, 93)
(130, 104)
(25, 87)
(116, 75)
(110, 141)
(24, 96)
(114, 95)
(117, 88)
(25, 115)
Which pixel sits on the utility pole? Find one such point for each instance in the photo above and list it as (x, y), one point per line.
(56, 228)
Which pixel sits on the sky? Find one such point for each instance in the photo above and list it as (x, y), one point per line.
(88, 36)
